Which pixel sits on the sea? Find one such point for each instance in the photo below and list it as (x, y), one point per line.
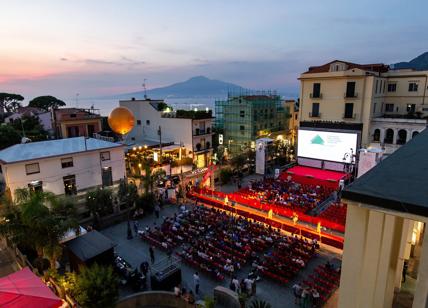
(106, 105)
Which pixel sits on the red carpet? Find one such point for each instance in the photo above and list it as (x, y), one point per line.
(314, 176)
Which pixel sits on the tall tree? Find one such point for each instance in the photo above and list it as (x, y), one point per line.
(8, 136)
(39, 220)
(96, 286)
(10, 102)
(46, 102)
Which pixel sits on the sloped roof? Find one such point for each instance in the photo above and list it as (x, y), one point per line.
(50, 148)
(25, 289)
(398, 183)
(374, 67)
(89, 245)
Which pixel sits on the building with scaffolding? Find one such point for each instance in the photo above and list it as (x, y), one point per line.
(247, 116)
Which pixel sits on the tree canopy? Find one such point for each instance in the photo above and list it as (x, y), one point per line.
(46, 102)
(8, 136)
(10, 102)
(95, 286)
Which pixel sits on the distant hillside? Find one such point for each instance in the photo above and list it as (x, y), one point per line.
(418, 63)
(199, 86)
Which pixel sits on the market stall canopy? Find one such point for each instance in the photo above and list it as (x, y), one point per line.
(25, 289)
(89, 248)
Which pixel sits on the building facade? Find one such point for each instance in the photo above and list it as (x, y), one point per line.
(44, 116)
(75, 122)
(385, 255)
(390, 104)
(156, 123)
(63, 166)
(244, 118)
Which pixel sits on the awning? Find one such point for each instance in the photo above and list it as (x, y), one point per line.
(25, 289)
(168, 148)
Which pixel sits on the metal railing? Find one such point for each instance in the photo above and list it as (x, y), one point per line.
(349, 116)
(350, 95)
(316, 95)
(314, 115)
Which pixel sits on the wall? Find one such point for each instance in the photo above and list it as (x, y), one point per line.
(86, 167)
(150, 299)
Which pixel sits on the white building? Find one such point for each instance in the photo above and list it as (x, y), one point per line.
(45, 117)
(63, 166)
(191, 129)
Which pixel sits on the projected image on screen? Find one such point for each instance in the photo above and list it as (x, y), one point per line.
(324, 145)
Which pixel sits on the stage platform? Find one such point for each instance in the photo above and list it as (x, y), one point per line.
(314, 176)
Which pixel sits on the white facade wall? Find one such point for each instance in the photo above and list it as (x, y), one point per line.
(86, 167)
(174, 130)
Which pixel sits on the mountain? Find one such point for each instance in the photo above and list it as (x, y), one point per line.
(198, 86)
(419, 63)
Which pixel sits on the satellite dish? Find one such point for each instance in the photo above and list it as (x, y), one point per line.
(25, 140)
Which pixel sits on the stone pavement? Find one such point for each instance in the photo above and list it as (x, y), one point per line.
(136, 250)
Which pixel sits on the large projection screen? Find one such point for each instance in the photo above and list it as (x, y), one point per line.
(325, 145)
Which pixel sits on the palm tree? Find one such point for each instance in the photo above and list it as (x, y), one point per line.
(39, 220)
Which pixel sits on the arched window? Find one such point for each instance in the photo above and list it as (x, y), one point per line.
(376, 135)
(402, 136)
(415, 134)
(389, 136)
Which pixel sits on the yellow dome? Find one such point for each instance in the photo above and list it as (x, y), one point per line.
(121, 120)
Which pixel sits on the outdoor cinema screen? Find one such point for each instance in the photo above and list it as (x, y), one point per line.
(326, 145)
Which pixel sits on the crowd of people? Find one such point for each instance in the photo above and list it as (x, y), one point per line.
(286, 193)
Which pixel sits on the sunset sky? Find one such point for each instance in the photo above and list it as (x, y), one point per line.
(98, 48)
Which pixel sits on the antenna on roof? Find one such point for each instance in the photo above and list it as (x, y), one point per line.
(77, 100)
(144, 87)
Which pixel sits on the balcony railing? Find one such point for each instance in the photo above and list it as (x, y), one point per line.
(350, 95)
(199, 132)
(315, 95)
(349, 116)
(315, 115)
(199, 147)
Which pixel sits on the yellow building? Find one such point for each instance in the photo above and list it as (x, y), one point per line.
(386, 227)
(388, 103)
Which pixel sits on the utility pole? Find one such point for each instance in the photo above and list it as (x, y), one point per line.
(144, 87)
(160, 143)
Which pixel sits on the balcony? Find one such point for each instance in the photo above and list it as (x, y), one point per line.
(199, 148)
(200, 132)
(314, 115)
(315, 95)
(352, 116)
(351, 95)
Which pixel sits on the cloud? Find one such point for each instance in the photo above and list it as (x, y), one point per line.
(122, 61)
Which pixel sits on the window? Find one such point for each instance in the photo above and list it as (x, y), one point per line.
(91, 130)
(242, 127)
(377, 83)
(350, 89)
(147, 122)
(413, 87)
(106, 177)
(411, 108)
(35, 186)
(32, 168)
(242, 113)
(138, 122)
(67, 162)
(374, 108)
(384, 87)
(376, 135)
(105, 156)
(73, 115)
(392, 87)
(70, 187)
(349, 111)
(315, 110)
(389, 107)
(316, 91)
